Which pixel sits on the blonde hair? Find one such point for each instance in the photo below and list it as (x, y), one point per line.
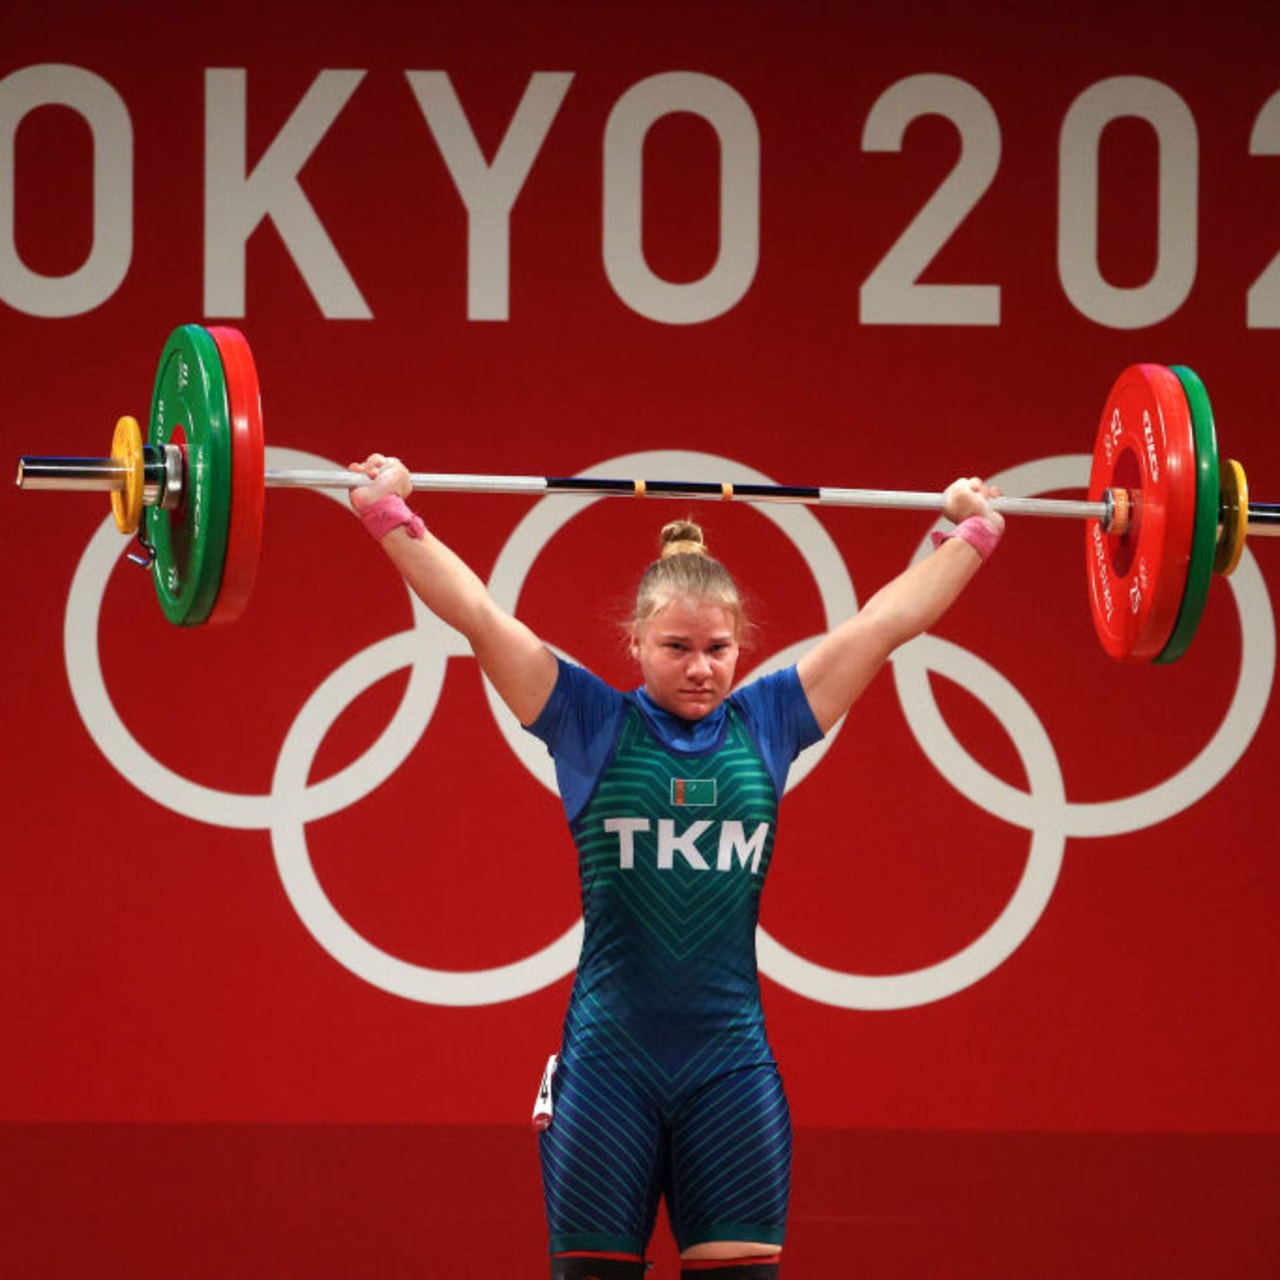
(685, 568)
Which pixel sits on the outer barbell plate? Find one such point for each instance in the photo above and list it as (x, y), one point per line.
(1235, 518)
(1204, 534)
(189, 409)
(248, 495)
(126, 449)
(1136, 579)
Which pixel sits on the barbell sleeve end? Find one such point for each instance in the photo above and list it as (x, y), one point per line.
(102, 475)
(1264, 519)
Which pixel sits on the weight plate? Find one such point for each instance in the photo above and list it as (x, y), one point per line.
(1235, 518)
(1204, 534)
(248, 494)
(189, 409)
(1136, 579)
(126, 449)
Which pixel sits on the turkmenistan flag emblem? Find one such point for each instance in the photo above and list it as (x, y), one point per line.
(693, 791)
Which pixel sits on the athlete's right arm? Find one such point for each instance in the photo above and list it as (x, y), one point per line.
(518, 664)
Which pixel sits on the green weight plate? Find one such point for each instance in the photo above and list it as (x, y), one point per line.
(189, 408)
(1204, 535)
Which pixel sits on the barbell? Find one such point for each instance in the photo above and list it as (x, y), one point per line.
(1162, 516)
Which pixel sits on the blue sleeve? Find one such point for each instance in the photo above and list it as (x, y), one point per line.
(780, 719)
(580, 726)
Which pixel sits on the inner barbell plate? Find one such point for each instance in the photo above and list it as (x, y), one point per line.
(189, 409)
(244, 531)
(1204, 536)
(1136, 579)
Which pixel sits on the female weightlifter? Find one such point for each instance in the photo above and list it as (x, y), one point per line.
(665, 1084)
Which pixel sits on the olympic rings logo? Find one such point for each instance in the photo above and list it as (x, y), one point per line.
(1043, 810)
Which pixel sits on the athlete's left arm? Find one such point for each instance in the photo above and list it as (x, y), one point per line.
(839, 667)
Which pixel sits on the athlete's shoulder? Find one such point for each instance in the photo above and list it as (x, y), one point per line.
(778, 717)
(579, 703)
(774, 695)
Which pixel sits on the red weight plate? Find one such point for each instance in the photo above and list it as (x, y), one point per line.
(248, 493)
(1145, 444)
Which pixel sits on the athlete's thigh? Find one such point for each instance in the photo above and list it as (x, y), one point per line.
(601, 1162)
(730, 1158)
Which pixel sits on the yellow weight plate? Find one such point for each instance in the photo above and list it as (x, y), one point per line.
(1235, 518)
(126, 449)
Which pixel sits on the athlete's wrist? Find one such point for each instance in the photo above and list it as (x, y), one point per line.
(980, 533)
(385, 515)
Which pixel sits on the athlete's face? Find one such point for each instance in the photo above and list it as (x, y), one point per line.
(688, 652)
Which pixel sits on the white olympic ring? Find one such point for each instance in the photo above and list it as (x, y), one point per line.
(293, 801)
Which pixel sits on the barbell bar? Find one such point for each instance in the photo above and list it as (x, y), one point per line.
(1162, 514)
(107, 475)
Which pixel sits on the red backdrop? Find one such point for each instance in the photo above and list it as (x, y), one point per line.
(1020, 953)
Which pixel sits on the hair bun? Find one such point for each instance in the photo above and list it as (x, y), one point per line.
(682, 538)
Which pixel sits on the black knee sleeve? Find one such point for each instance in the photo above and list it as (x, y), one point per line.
(596, 1266)
(733, 1269)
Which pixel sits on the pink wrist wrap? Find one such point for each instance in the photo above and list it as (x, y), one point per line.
(390, 513)
(977, 532)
